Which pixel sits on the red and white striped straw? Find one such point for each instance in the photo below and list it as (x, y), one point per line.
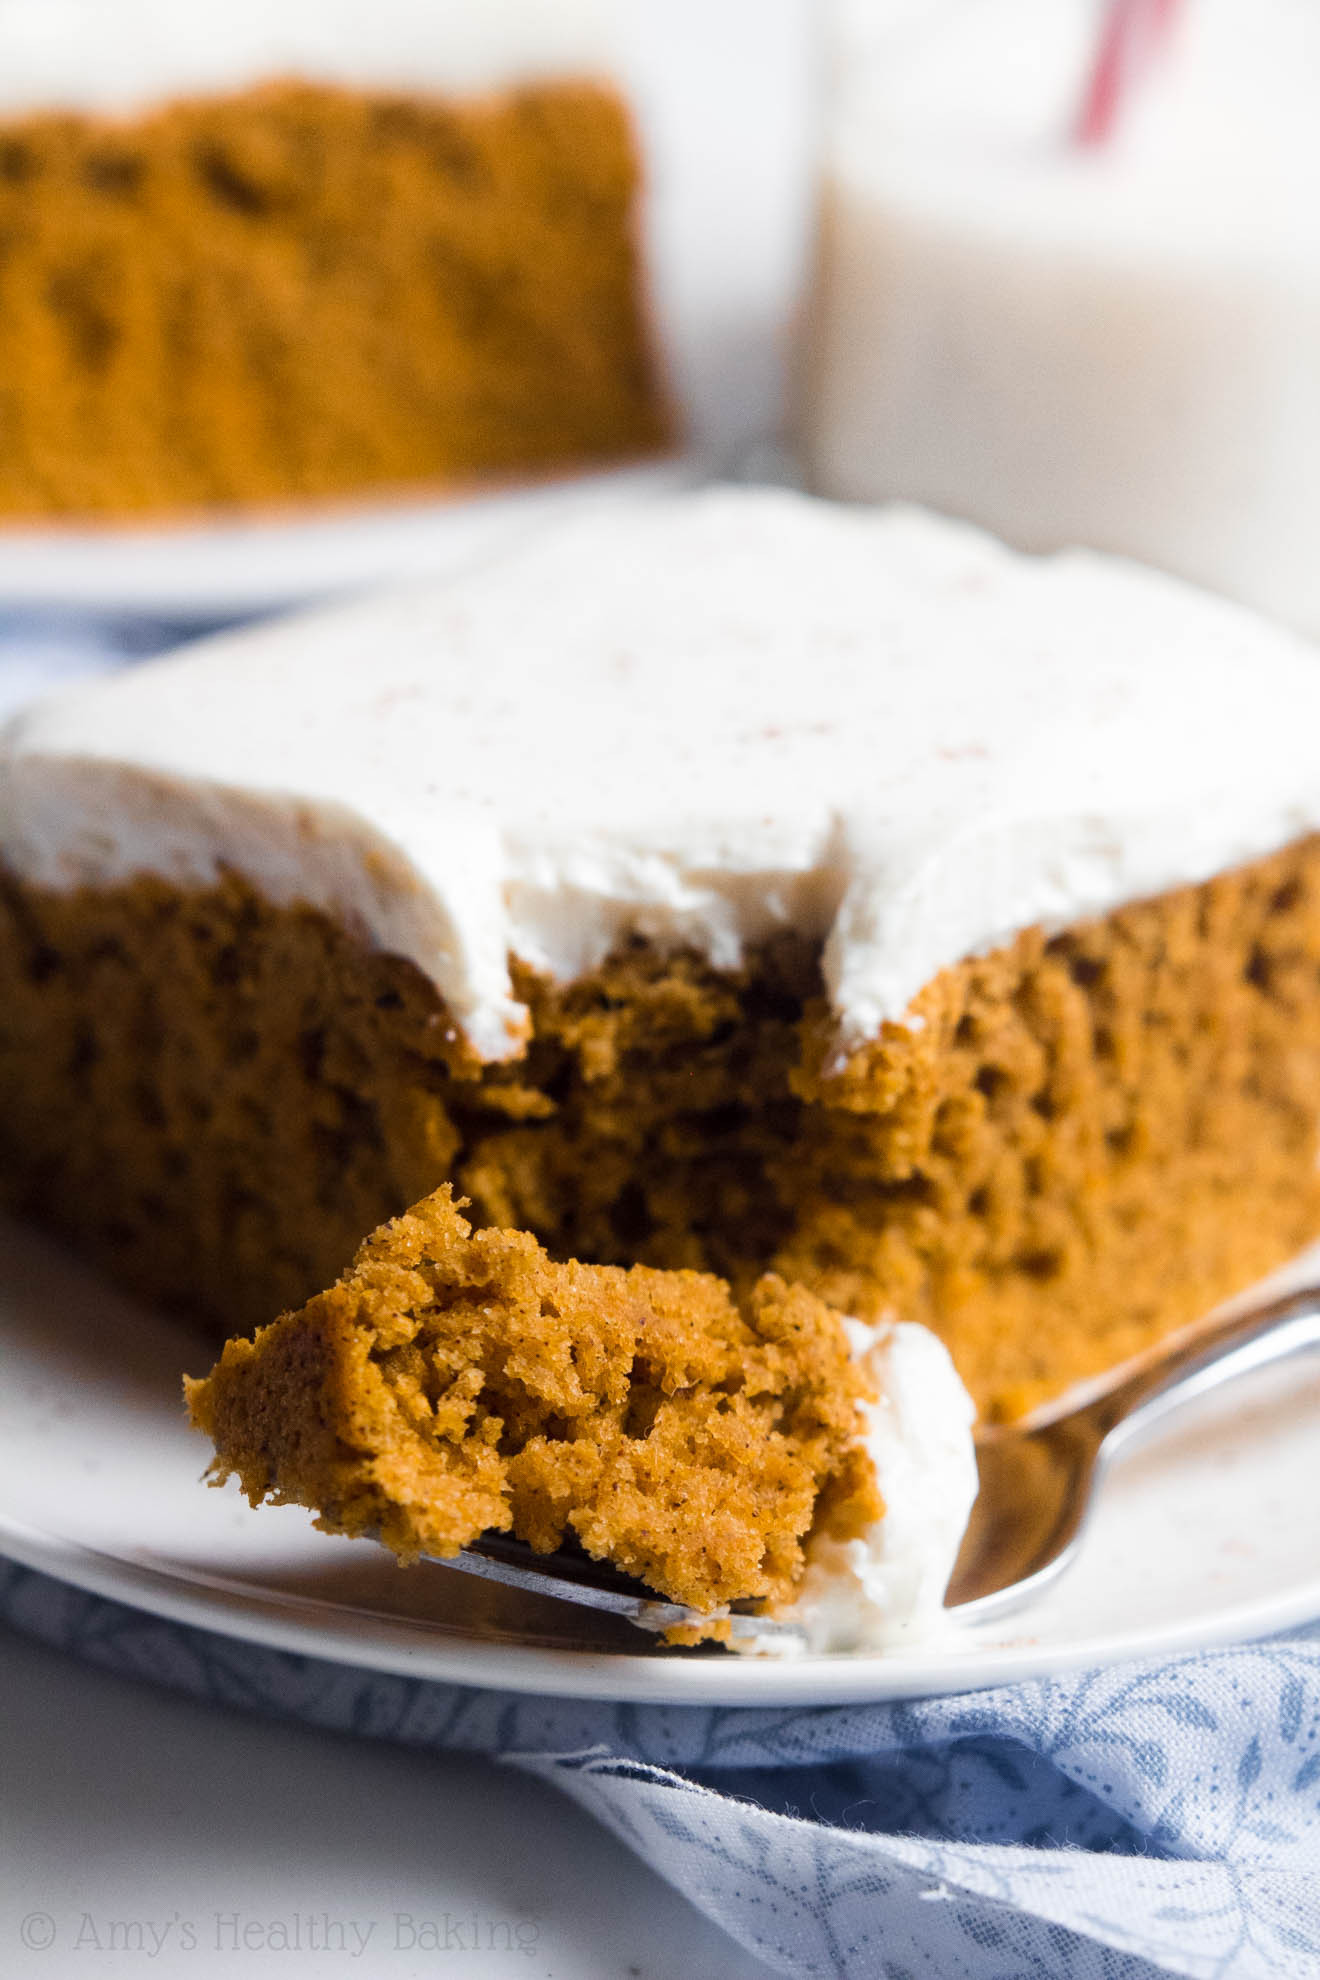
(1132, 33)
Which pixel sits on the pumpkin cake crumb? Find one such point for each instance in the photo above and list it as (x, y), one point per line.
(454, 1383)
(301, 290)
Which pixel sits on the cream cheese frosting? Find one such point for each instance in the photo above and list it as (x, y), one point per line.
(701, 720)
(119, 56)
(885, 1587)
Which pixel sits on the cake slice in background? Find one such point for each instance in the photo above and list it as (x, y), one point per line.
(738, 883)
(278, 249)
(453, 1384)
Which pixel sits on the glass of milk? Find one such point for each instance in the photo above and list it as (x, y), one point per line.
(1111, 340)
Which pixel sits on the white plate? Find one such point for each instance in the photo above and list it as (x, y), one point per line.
(1213, 1535)
(212, 569)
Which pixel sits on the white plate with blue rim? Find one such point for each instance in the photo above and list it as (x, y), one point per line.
(1210, 1535)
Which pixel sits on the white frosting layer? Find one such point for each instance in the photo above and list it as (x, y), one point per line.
(1114, 345)
(886, 1587)
(704, 720)
(119, 55)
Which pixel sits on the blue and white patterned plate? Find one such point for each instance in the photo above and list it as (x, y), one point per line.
(1212, 1536)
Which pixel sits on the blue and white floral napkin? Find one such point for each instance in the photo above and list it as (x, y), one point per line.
(42, 652)
(1117, 1825)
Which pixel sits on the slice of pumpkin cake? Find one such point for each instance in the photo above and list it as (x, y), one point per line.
(454, 1383)
(737, 884)
(278, 251)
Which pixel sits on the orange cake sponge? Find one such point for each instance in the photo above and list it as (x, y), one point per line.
(301, 289)
(452, 1384)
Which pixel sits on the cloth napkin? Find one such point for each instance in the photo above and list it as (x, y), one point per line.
(41, 652)
(1115, 1825)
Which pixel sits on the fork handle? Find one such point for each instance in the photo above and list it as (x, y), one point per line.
(1252, 1338)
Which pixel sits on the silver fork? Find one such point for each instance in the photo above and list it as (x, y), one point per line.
(1037, 1481)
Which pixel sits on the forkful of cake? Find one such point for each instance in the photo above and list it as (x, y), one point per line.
(763, 1472)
